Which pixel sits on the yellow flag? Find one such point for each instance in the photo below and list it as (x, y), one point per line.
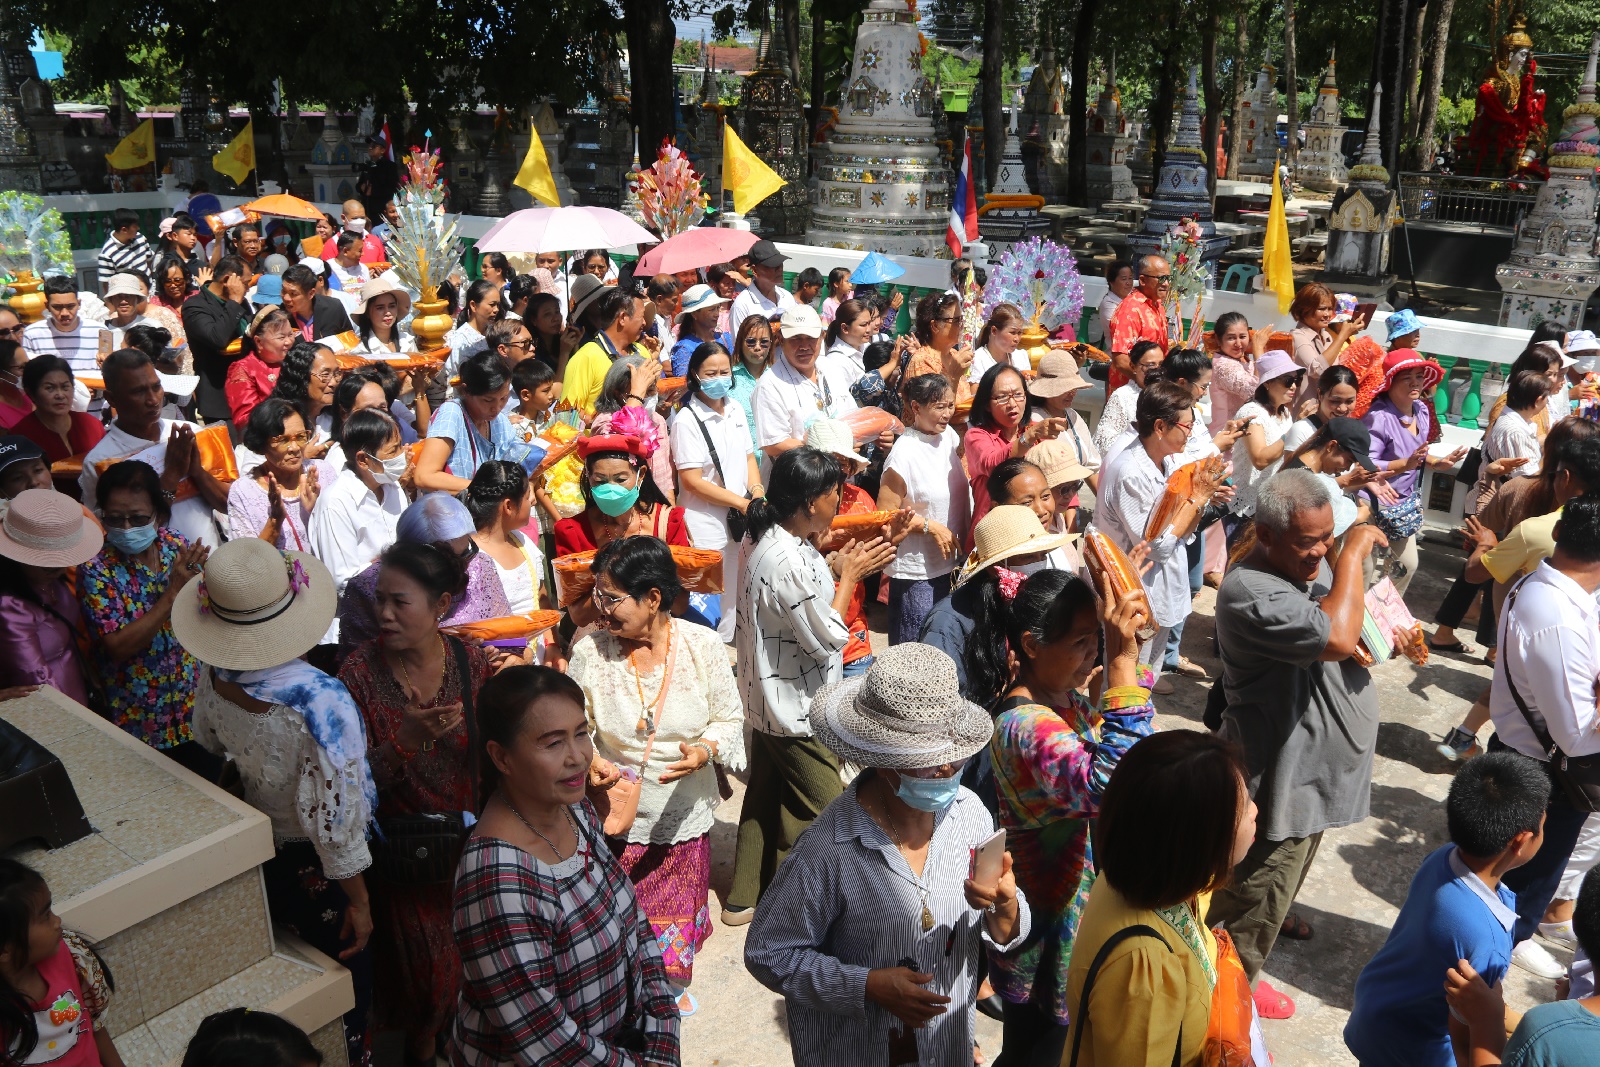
(138, 149)
(534, 175)
(239, 158)
(1277, 264)
(744, 175)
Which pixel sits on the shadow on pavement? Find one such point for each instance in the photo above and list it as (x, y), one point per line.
(1406, 744)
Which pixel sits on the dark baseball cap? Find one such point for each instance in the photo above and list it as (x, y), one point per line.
(16, 450)
(1353, 436)
(765, 254)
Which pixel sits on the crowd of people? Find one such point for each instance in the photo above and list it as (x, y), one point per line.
(254, 558)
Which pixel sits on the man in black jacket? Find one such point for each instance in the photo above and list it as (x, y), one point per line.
(324, 314)
(212, 318)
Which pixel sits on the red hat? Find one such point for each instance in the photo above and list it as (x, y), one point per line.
(611, 442)
(1405, 359)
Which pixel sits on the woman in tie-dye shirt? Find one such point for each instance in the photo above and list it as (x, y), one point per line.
(1053, 754)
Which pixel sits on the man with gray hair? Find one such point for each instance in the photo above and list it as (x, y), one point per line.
(1303, 711)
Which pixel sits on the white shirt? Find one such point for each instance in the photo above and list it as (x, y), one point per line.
(937, 489)
(983, 359)
(1130, 485)
(1301, 431)
(1116, 418)
(789, 640)
(464, 341)
(351, 279)
(1246, 477)
(1513, 437)
(1550, 649)
(730, 434)
(351, 525)
(845, 359)
(753, 301)
(785, 401)
(1101, 330)
(193, 518)
(521, 583)
(80, 347)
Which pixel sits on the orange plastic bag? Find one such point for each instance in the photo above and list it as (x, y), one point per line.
(558, 451)
(1229, 1038)
(1180, 487)
(699, 569)
(506, 627)
(867, 423)
(1104, 557)
(861, 525)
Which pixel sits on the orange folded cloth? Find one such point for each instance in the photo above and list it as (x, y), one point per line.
(699, 569)
(1180, 487)
(1104, 557)
(506, 627)
(216, 456)
(867, 423)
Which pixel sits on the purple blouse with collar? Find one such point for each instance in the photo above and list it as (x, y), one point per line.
(485, 598)
(1391, 440)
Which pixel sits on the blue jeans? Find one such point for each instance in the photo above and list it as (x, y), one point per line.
(1196, 550)
(910, 600)
(858, 666)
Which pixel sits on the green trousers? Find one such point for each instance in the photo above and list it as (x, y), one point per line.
(791, 780)
(1255, 903)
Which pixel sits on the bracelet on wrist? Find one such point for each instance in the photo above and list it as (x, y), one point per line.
(710, 755)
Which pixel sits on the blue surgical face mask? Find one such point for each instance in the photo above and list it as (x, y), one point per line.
(929, 794)
(614, 499)
(131, 541)
(715, 388)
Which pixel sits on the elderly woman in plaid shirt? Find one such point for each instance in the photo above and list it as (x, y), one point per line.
(560, 966)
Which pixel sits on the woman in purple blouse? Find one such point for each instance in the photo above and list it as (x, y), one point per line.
(44, 535)
(1398, 421)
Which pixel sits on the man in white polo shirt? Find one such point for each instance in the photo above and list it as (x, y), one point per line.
(766, 296)
(799, 387)
(63, 332)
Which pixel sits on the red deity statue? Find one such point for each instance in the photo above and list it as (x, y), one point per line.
(1508, 130)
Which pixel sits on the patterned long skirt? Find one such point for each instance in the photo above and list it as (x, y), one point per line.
(416, 967)
(673, 884)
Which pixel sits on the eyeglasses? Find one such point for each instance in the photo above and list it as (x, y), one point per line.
(126, 522)
(936, 772)
(956, 319)
(325, 376)
(1186, 427)
(1161, 280)
(286, 439)
(10, 331)
(466, 554)
(752, 342)
(1009, 398)
(605, 602)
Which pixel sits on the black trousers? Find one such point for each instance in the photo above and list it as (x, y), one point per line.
(1458, 601)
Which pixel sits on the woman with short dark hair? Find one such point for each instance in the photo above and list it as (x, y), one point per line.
(470, 428)
(668, 743)
(1175, 818)
(59, 431)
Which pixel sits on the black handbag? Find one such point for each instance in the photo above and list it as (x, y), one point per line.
(423, 848)
(737, 522)
(1577, 776)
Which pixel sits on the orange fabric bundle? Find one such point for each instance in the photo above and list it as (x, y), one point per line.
(506, 627)
(1365, 357)
(862, 525)
(558, 451)
(1283, 342)
(1180, 487)
(1083, 352)
(671, 385)
(1104, 557)
(72, 465)
(867, 423)
(216, 456)
(1233, 1012)
(699, 569)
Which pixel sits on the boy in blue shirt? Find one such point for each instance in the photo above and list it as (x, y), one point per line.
(1455, 910)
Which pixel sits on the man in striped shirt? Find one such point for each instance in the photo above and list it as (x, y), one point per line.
(125, 249)
(62, 332)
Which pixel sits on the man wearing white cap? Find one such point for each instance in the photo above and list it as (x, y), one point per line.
(127, 296)
(799, 388)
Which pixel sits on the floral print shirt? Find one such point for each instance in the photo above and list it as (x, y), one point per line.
(1051, 766)
(151, 693)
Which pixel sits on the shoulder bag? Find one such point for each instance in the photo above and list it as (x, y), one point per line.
(737, 524)
(423, 848)
(1577, 776)
(618, 804)
(1088, 985)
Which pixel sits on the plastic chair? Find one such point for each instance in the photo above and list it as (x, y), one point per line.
(1239, 277)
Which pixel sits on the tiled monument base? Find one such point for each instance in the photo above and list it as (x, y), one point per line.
(169, 889)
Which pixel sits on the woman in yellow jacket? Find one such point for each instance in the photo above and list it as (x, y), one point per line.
(1175, 818)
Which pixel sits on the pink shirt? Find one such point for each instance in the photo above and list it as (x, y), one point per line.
(37, 647)
(985, 450)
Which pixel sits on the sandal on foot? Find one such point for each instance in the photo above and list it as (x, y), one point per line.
(1458, 648)
(687, 1005)
(1271, 1004)
(1296, 929)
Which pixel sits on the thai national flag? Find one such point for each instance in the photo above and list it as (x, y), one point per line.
(388, 140)
(963, 206)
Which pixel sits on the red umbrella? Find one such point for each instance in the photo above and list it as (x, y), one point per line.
(702, 246)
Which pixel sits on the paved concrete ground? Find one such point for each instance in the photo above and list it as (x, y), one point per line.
(1351, 896)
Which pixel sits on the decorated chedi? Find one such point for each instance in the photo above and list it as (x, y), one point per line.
(773, 124)
(426, 245)
(1107, 145)
(1044, 127)
(1320, 162)
(1554, 267)
(1508, 125)
(882, 186)
(1258, 151)
(19, 150)
(1011, 213)
(1361, 221)
(1182, 194)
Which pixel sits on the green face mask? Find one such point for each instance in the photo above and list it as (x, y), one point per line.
(614, 499)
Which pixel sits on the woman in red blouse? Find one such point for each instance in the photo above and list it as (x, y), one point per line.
(52, 424)
(1001, 409)
(250, 380)
(618, 502)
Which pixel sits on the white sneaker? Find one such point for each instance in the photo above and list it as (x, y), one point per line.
(1560, 933)
(1535, 960)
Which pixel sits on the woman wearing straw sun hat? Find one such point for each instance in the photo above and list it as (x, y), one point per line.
(297, 738)
(872, 927)
(380, 316)
(43, 535)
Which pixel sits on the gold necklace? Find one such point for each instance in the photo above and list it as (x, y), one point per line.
(646, 720)
(922, 890)
(405, 675)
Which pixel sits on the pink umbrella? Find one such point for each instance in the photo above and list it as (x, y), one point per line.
(692, 249)
(563, 229)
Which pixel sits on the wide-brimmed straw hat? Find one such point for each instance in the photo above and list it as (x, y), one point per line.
(254, 607)
(44, 528)
(1403, 359)
(906, 713)
(1058, 373)
(1008, 530)
(698, 298)
(376, 288)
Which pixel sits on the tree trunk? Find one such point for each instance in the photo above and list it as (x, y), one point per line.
(1291, 91)
(1395, 100)
(1162, 107)
(790, 10)
(994, 122)
(1428, 106)
(1211, 124)
(819, 33)
(1078, 105)
(1419, 18)
(1241, 46)
(651, 35)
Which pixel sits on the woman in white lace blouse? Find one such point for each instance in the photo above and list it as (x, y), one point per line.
(663, 706)
(297, 739)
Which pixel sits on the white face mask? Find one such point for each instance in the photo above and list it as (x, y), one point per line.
(394, 468)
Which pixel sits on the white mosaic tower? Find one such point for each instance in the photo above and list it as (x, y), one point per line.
(1258, 153)
(1320, 162)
